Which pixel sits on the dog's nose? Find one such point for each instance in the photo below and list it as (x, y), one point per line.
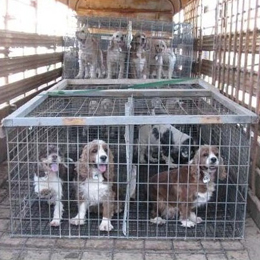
(213, 159)
(103, 158)
(54, 157)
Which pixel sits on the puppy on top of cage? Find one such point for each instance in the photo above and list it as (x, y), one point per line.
(116, 56)
(91, 63)
(162, 60)
(186, 188)
(51, 173)
(94, 181)
(138, 61)
(166, 143)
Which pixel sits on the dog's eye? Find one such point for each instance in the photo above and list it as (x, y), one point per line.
(205, 155)
(117, 36)
(158, 45)
(94, 151)
(105, 149)
(216, 154)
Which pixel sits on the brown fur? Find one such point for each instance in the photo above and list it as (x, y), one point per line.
(177, 189)
(138, 55)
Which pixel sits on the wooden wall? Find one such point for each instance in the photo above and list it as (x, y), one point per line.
(227, 54)
(15, 93)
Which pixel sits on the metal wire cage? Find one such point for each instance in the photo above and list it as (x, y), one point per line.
(69, 120)
(177, 38)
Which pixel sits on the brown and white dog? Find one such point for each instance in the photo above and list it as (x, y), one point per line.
(162, 60)
(186, 188)
(91, 64)
(116, 56)
(95, 171)
(138, 61)
(51, 173)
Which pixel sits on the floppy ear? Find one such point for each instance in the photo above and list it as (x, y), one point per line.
(109, 174)
(82, 166)
(133, 44)
(222, 169)
(145, 42)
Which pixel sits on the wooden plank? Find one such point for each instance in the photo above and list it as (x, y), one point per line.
(13, 90)
(19, 39)
(20, 64)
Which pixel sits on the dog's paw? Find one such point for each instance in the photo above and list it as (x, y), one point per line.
(55, 222)
(77, 221)
(158, 221)
(187, 223)
(105, 225)
(195, 219)
(199, 220)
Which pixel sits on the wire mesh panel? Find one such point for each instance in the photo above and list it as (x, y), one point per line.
(124, 48)
(129, 163)
(222, 216)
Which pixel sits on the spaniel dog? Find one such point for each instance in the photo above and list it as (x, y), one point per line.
(91, 64)
(138, 62)
(116, 56)
(162, 60)
(186, 188)
(95, 171)
(166, 143)
(51, 173)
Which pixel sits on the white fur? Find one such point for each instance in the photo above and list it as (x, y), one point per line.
(54, 184)
(116, 55)
(105, 225)
(158, 220)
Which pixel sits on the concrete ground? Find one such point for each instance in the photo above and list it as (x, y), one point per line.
(115, 249)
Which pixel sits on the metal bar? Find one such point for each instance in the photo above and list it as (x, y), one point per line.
(134, 92)
(60, 85)
(121, 81)
(132, 120)
(27, 107)
(233, 106)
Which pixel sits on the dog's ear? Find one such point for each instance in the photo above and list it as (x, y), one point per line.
(133, 44)
(109, 174)
(82, 166)
(222, 169)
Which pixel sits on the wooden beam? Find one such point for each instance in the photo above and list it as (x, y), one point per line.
(13, 90)
(122, 10)
(20, 64)
(18, 39)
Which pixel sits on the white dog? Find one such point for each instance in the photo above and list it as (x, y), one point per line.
(91, 64)
(162, 60)
(116, 55)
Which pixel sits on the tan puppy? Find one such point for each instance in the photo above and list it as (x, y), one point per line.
(138, 61)
(116, 55)
(91, 63)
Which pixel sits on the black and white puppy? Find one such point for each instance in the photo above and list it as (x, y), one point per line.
(166, 143)
(51, 172)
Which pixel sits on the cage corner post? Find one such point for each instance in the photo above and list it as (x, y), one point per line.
(129, 136)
